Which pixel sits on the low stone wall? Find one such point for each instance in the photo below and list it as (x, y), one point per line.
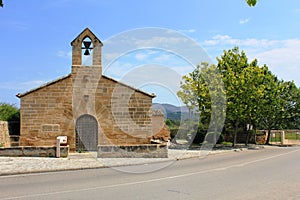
(4, 134)
(9, 133)
(291, 142)
(133, 151)
(27, 151)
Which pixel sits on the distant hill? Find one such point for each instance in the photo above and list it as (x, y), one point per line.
(172, 112)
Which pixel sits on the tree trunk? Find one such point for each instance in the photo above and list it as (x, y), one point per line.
(255, 142)
(248, 137)
(268, 136)
(234, 135)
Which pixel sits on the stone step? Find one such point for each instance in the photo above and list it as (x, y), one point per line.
(14, 144)
(14, 138)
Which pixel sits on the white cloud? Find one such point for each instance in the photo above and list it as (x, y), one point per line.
(283, 61)
(244, 21)
(183, 70)
(64, 54)
(249, 42)
(187, 30)
(17, 25)
(141, 56)
(117, 69)
(26, 85)
(155, 39)
(282, 56)
(164, 58)
(162, 41)
(297, 10)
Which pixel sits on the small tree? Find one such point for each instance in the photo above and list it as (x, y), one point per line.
(9, 112)
(203, 91)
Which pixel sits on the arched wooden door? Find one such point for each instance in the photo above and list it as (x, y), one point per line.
(86, 133)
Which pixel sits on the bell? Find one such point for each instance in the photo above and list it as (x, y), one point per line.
(87, 44)
(87, 52)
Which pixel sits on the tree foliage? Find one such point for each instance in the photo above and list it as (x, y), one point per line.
(255, 97)
(203, 92)
(9, 112)
(231, 65)
(251, 2)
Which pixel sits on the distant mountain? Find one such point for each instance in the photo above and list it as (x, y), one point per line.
(169, 108)
(172, 112)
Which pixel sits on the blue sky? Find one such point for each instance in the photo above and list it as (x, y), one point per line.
(36, 36)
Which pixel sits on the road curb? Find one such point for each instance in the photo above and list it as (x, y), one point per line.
(193, 154)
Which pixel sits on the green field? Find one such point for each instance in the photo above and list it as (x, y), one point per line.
(292, 136)
(288, 136)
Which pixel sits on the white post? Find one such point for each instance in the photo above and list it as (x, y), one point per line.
(282, 137)
(57, 147)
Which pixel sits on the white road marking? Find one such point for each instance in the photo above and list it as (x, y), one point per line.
(43, 173)
(152, 180)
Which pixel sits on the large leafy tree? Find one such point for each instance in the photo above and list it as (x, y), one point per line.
(255, 96)
(279, 107)
(291, 104)
(232, 65)
(252, 89)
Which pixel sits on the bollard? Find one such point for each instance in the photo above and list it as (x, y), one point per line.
(57, 148)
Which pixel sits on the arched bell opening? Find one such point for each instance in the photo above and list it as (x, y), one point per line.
(87, 51)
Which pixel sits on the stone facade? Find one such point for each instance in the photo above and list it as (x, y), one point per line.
(47, 113)
(123, 114)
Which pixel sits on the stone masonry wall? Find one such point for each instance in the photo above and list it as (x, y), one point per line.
(47, 113)
(4, 134)
(124, 114)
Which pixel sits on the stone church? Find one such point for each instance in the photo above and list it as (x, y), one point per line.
(88, 107)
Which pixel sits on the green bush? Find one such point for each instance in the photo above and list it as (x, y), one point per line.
(226, 143)
(199, 137)
(173, 132)
(179, 133)
(9, 112)
(195, 130)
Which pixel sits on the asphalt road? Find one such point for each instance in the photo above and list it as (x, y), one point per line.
(254, 174)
